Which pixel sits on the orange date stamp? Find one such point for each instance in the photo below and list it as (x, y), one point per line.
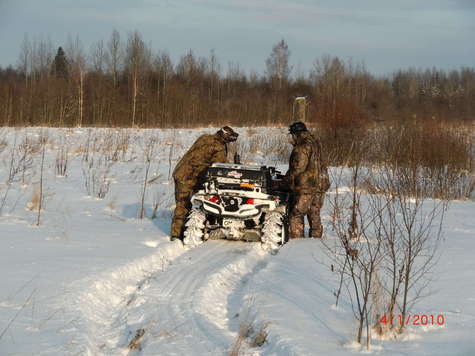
(413, 319)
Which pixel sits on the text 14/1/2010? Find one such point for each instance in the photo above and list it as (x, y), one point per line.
(413, 319)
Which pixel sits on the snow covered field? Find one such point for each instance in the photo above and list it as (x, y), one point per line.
(92, 274)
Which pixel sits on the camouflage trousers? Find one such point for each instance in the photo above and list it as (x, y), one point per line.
(183, 194)
(306, 205)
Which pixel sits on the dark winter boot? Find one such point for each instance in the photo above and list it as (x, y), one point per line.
(316, 233)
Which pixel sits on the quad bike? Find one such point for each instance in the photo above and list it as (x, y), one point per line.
(239, 202)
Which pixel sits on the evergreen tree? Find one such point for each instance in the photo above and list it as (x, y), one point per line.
(60, 67)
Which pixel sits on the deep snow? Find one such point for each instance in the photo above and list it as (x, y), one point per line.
(92, 273)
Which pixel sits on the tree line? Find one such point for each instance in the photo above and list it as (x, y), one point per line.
(121, 82)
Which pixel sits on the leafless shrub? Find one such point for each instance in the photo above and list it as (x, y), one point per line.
(21, 158)
(62, 155)
(158, 200)
(260, 336)
(12, 171)
(251, 131)
(90, 146)
(276, 148)
(412, 236)
(340, 150)
(386, 245)
(96, 176)
(35, 199)
(445, 183)
(43, 140)
(277, 145)
(432, 157)
(358, 251)
(255, 337)
(25, 158)
(248, 333)
(19, 164)
(115, 145)
(148, 152)
(436, 158)
(245, 330)
(170, 158)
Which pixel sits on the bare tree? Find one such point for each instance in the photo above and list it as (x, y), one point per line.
(149, 152)
(277, 64)
(24, 58)
(77, 57)
(98, 56)
(137, 58)
(214, 74)
(164, 67)
(42, 56)
(118, 89)
(114, 55)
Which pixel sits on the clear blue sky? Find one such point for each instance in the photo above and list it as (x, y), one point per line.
(386, 35)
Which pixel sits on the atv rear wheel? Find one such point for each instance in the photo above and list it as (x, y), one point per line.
(274, 231)
(194, 228)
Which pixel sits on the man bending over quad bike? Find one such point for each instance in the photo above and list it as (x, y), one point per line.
(206, 150)
(308, 180)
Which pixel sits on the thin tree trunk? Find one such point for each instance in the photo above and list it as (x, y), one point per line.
(134, 97)
(40, 204)
(81, 97)
(406, 285)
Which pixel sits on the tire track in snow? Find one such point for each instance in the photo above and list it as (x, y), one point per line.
(193, 298)
(184, 305)
(228, 287)
(102, 300)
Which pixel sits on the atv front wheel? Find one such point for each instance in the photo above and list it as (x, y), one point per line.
(194, 228)
(274, 231)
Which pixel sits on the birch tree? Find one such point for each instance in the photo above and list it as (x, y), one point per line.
(277, 64)
(78, 71)
(137, 58)
(114, 55)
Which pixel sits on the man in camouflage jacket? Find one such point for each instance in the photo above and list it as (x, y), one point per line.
(206, 150)
(308, 181)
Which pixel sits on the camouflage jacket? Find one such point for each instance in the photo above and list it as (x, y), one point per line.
(206, 150)
(307, 172)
